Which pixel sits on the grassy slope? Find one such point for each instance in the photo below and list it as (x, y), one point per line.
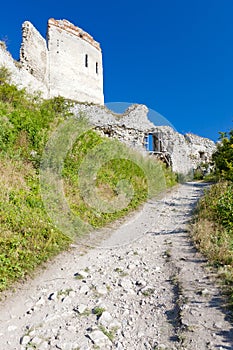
(28, 237)
(213, 232)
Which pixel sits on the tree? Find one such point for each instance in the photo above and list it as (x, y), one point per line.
(223, 157)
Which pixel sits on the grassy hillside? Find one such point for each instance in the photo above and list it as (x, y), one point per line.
(213, 226)
(28, 232)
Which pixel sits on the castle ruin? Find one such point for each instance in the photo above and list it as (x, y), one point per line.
(67, 63)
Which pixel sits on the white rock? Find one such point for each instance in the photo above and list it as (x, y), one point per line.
(82, 273)
(99, 339)
(43, 346)
(12, 328)
(105, 319)
(36, 340)
(114, 324)
(218, 325)
(66, 300)
(119, 346)
(101, 290)
(131, 266)
(25, 340)
(32, 333)
(72, 294)
(126, 284)
(204, 292)
(81, 308)
(64, 346)
(84, 289)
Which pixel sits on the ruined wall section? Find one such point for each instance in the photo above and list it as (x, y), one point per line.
(75, 63)
(34, 53)
(187, 152)
(129, 127)
(68, 63)
(19, 75)
(201, 148)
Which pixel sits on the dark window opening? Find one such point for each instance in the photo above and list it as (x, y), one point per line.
(86, 60)
(97, 68)
(157, 143)
(202, 155)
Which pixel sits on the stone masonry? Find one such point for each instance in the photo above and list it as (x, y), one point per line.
(67, 63)
(186, 152)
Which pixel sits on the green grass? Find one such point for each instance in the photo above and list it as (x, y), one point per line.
(213, 231)
(98, 311)
(27, 236)
(29, 232)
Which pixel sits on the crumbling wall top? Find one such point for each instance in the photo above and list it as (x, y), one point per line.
(71, 28)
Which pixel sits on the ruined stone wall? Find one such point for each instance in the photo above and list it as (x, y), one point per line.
(75, 63)
(34, 53)
(19, 75)
(186, 152)
(68, 63)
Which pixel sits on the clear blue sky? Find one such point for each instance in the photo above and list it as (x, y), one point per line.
(175, 56)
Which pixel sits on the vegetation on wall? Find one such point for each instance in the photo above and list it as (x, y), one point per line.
(28, 235)
(213, 227)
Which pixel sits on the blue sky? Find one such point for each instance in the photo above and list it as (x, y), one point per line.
(175, 56)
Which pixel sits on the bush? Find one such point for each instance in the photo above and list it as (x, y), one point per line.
(5, 75)
(213, 231)
(223, 157)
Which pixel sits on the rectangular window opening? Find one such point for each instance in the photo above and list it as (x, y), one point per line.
(86, 60)
(97, 68)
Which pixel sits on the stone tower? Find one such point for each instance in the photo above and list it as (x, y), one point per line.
(75, 63)
(67, 63)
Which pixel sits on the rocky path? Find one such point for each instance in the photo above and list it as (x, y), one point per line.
(143, 287)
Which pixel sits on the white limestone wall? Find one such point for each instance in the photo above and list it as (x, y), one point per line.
(34, 53)
(69, 76)
(132, 126)
(19, 76)
(201, 148)
(56, 67)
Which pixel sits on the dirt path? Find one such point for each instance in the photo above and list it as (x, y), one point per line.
(143, 287)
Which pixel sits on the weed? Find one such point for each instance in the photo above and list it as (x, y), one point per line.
(109, 333)
(148, 292)
(64, 292)
(120, 272)
(78, 276)
(98, 311)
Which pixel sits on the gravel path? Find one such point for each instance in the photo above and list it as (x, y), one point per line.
(143, 287)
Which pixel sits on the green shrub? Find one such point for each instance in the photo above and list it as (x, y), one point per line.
(5, 75)
(223, 157)
(224, 209)
(213, 231)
